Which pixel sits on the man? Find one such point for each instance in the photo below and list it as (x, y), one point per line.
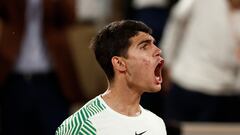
(126, 52)
(37, 75)
(201, 61)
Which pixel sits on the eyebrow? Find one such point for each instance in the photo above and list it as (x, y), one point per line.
(147, 41)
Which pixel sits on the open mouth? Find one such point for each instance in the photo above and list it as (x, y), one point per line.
(157, 71)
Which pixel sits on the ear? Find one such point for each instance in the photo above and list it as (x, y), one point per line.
(119, 63)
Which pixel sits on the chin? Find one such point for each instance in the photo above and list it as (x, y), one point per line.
(155, 89)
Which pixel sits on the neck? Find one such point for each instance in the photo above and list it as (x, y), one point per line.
(123, 100)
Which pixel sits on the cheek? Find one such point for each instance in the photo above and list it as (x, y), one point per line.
(143, 68)
(146, 62)
(139, 64)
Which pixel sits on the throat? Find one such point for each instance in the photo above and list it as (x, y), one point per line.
(122, 106)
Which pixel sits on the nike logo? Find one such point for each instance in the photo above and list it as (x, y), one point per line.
(140, 133)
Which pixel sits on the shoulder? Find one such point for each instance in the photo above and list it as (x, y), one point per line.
(79, 122)
(157, 123)
(153, 117)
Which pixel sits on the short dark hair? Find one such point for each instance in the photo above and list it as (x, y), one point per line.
(113, 40)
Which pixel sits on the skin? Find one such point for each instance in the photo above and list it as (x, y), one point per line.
(234, 4)
(134, 75)
(234, 8)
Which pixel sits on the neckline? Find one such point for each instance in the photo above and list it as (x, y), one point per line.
(119, 114)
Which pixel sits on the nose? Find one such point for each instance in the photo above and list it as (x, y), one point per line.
(157, 52)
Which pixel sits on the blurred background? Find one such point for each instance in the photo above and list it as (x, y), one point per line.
(47, 70)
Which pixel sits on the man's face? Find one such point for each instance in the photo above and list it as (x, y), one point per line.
(144, 64)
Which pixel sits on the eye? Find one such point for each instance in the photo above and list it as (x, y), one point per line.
(144, 46)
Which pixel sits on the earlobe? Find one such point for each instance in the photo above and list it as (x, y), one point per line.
(118, 63)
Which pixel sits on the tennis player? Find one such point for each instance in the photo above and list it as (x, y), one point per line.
(132, 63)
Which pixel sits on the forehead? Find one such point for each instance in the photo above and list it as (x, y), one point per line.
(140, 37)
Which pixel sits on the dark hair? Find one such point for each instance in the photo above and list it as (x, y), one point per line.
(113, 40)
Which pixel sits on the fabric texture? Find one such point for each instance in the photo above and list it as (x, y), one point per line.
(97, 118)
